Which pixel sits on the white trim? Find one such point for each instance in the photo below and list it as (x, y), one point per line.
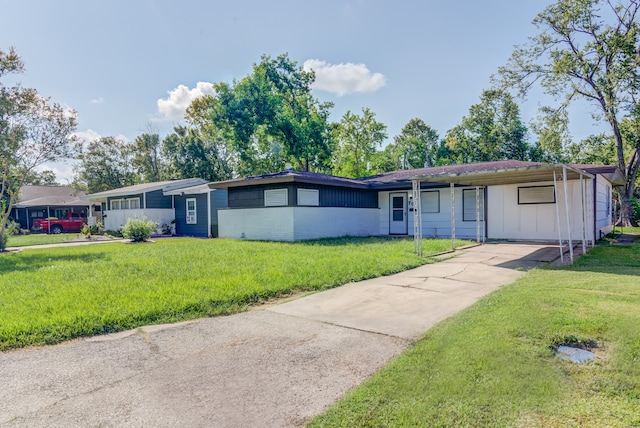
(209, 214)
(193, 217)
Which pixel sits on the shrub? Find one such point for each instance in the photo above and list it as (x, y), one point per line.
(11, 228)
(138, 230)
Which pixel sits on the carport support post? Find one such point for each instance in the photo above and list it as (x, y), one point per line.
(555, 188)
(584, 215)
(566, 207)
(417, 218)
(477, 214)
(453, 217)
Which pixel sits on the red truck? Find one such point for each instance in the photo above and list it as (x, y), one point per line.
(73, 223)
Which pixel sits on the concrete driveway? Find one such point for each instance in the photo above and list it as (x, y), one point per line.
(276, 366)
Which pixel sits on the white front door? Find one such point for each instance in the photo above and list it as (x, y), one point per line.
(397, 213)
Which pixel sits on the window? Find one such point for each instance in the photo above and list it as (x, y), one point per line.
(133, 204)
(430, 201)
(275, 198)
(117, 204)
(469, 205)
(192, 217)
(536, 195)
(308, 197)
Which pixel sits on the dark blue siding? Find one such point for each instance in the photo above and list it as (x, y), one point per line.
(156, 199)
(330, 196)
(218, 200)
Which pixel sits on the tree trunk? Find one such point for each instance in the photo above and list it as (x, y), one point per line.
(626, 209)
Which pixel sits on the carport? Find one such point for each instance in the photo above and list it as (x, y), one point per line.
(485, 177)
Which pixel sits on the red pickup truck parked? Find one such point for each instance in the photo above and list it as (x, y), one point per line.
(73, 223)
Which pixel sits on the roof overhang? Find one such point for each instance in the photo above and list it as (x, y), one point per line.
(244, 182)
(144, 188)
(518, 175)
(193, 190)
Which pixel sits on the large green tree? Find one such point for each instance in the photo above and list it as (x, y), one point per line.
(190, 154)
(146, 158)
(551, 126)
(105, 163)
(415, 147)
(33, 131)
(269, 118)
(589, 50)
(492, 131)
(357, 138)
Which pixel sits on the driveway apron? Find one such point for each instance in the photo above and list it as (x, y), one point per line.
(277, 366)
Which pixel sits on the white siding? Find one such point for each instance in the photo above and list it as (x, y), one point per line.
(508, 220)
(433, 224)
(296, 223)
(114, 219)
(603, 218)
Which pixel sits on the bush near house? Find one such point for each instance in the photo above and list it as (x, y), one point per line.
(139, 230)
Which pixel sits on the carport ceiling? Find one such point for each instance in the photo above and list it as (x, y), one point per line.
(492, 177)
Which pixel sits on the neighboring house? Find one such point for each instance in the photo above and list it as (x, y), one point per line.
(519, 200)
(38, 202)
(196, 210)
(141, 200)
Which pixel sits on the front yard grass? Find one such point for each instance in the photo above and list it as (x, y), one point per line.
(50, 295)
(493, 364)
(39, 239)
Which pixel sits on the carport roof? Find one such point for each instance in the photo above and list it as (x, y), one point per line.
(514, 172)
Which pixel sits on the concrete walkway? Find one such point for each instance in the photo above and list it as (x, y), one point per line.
(277, 366)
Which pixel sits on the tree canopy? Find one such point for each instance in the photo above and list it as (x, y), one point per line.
(357, 138)
(492, 131)
(272, 113)
(588, 49)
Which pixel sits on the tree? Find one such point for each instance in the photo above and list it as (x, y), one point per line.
(189, 154)
(588, 49)
(596, 149)
(33, 131)
(146, 160)
(492, 131)
(271, 112)
(105, 164)
(415, 147)
(357, 138)
(552, 128)
(45, 177)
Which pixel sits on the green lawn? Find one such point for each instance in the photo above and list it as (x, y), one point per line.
(493, 364)
(39, 239)
(49, 295)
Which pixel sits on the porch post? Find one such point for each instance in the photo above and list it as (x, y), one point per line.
(555, 188)
(453, 217)
(566, 207)
(417, 218)
(209, 212)
(584, 215)
(477, 214)
(48, 219)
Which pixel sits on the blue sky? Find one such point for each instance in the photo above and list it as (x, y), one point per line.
(127, 65)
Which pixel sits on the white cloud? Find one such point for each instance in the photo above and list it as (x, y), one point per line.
(345, 78)
(98, 100)
(175, 105)
(87, 136)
